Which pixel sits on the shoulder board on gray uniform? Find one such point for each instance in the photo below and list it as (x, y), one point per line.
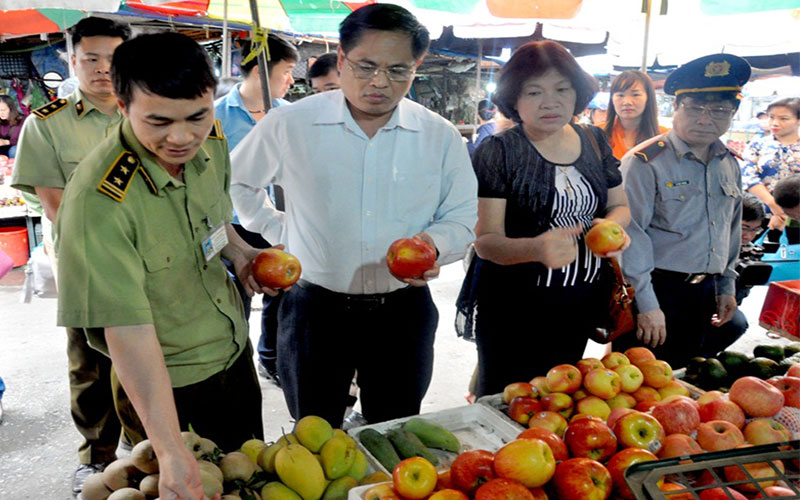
(80, 108)
(50, 109)
(650, 151)
(216, 131)
(119, 176)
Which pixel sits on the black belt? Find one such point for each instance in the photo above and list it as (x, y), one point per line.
(691, 278)
(354, 301)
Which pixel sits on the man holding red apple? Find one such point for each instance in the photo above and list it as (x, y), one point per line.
(685, 195)
(361, 167)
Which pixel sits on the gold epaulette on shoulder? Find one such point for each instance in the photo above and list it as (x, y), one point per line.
(119, 176)
(650, 151)
(216, 131)
(50, 109)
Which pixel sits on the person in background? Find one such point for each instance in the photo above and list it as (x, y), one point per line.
(362, 166)
(486, 114)
(54, 140)
(146, 276)
(684, 189)
(763, 123)
(10, 126)
(632, 112)
(541, 186)
(775, 156)
(323, 74)
(239, 111)
(787, 197)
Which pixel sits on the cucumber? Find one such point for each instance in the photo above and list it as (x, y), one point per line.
(408, 445)
(433, 434)
(380, 448)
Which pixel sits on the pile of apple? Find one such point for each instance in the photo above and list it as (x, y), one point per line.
(312, 463)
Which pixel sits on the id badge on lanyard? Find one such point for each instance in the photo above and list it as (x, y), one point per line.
(215, 240)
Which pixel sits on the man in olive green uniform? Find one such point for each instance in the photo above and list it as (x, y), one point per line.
(52, 144)
(148, 218)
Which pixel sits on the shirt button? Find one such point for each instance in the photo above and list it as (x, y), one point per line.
(219, 301)
(682, 196)
(713, 223)
(205, 267)
(713, 249)
(709, 193)
(196, 229)
(368, 213)
(168, 259)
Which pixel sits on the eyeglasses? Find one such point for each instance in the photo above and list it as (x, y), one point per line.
(750, 230)
(715, 112)
(364, 71)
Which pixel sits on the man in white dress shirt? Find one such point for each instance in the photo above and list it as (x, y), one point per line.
(361, 167)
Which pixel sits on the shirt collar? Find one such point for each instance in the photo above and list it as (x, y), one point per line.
(403, 115)
(234, 98)
(84, 107)
(150, 163)
(682, 148)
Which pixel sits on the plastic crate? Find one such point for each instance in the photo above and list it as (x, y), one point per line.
(781, 310)
(697, 473)
(475, 426)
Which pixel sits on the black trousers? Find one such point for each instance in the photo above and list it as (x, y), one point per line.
(324, 337)
(688, 309)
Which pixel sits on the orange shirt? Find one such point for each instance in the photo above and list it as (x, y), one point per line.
(618, 138)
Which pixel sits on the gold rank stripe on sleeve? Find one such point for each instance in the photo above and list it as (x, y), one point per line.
(649, 152)
(50, 109)
(118, 178)
(216, 131)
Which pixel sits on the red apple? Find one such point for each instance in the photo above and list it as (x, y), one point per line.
(414, 478)
(630, 377)
(790, 387)
(778, 491)
(678, 445)
(603, 383)
(657, 373)
(588, 364)
(275, 268)
(639, 430)
(718, 435)
(758, 471)
(556, 444)
(709, 396)
(793, 371)
(549, 420)
(721, 494)
(505, 489)
(605, 237)
(620, 462)
(722, 409)
(615, 415)
(621, 400)
(444, 482)
(646, 393)
(592, 405)
(589, 438)
(557, 402)
(381, 491)
(538, 493)
(471, 469)
(756, 397)
(645, 406)
(684, 495)
(518, 389)
(582, 479)
(529, 461)
(766, 431)
(673, 388)
(615, 359)
(677, 416)
(410, 258)
(522, 408)
(579, 394)
(638, 355)
(563, 378)
(540, 383)
(448, 494)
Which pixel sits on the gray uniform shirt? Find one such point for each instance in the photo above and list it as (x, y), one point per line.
(686, 215)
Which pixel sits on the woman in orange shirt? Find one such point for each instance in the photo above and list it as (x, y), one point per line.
(632, 112)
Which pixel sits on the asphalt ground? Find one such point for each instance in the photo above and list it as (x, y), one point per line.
(38, 442)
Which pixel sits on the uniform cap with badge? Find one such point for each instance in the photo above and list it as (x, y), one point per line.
(714, 73)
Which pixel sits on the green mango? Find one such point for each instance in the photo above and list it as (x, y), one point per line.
(694, 365)
(278, 491)
(299, 470)
(339, 488)
(337, 456)
(791, 349)
(713, 374)
(763, 368)
(773, 352)
(359, 468)
(734, 362)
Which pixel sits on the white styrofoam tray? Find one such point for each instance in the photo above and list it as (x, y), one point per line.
(475, 426)
(495, 403)
(357, 493)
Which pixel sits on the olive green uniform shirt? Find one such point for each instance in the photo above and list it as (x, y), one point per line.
(132, 253)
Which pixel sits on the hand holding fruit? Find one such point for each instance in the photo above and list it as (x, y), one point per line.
(556, 248)
(606, 238)
(413, 260)
(273, 269)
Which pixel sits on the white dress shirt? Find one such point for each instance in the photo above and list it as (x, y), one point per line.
(348, 196)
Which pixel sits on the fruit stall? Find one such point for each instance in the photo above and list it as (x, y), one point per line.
(623, 427)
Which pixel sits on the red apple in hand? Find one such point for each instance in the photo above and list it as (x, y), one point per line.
(505, 489)
(275, 268)
(605, 237)
(756, 397)
(589, 438)
(582, 479)
(620, 462)
(410, 258)
(471, 469)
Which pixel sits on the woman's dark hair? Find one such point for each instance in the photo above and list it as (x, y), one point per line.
(790, 103)
(323, 65)
(98, 26)
(279, 50)
(14, 116)
(383, 17)
(648, 126)
(169, 65)
(535, 59)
